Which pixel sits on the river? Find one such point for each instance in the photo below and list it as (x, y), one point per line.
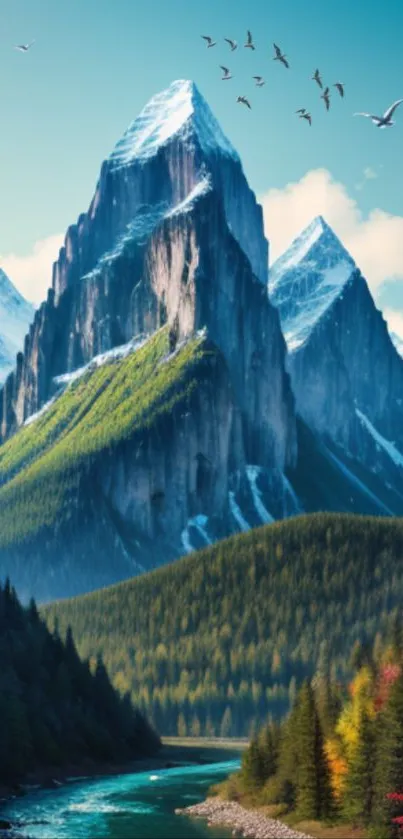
(138, 806)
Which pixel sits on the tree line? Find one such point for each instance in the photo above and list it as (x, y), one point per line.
(54, 710)
(214, 642)
(338, 755)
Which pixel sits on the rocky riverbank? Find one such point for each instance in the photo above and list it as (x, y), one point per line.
(246, 823)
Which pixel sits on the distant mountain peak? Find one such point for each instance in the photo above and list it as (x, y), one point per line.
(179, 110)
(16, 315)
(307, 279)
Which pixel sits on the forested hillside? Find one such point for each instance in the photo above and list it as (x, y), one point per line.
(55, 712)
(224, 637)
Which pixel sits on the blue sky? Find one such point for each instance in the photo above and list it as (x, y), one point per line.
(95, 63)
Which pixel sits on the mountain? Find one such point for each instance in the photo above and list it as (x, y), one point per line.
(346, 374)
(55, 712)
(255, 615)
(170, 254)
(398, 342)
(16, 315)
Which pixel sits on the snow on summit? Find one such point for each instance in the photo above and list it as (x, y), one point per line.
(16, 315)
(180, 110)
(306, 280)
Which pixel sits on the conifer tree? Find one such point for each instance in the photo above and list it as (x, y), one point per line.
(313, 794)
(358, 794)
(389, 763)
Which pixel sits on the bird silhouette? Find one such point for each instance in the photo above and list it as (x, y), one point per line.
(386, 120)
(307, 117)
(244, 101)
(340, 88)
(227, 74)
(249, 43)
(259, 81)
(233, 44)
(24, 47)
(210, 42)
(279, 56)
(317, 78)
(301, 111)
(326, 98)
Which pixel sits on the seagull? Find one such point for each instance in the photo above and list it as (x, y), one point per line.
(385, 121)
(340, 88)
(316, 77)
(280, 57)
(259, 81)
(301, 111)
(227, 74)
(326, 98)
(244, 101)
(24, 47)
(233, 44)
(249, 44)
(307, 117)
(210, 42)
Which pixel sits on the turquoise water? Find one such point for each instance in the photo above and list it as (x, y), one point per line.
(139, 806)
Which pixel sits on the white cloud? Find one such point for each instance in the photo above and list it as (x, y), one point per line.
(369, 173)
(395, 321)
(32, 274)
(375, 242)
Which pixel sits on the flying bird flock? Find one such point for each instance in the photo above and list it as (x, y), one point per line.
(302, 113)
(260, 81)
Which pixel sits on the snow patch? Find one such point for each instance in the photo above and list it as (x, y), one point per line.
(253, 473)
(42, 410)
(180, 110)
(198, 523)
(386, 445)
(237, 513)
(188, 203)
(307, 279)
(114, 354)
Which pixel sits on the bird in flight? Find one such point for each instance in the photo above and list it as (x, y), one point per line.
(340, 88)
(279, 56)
(244, 101)
(259, 81)
(301, 111)
(227, 74)
(210, 42)
(316, 77)
(307, 117)
(326, 97)
(386, 120)
(24, 47)
(249, 43)
(233, 44)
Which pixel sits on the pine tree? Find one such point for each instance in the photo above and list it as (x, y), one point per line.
(226, 723)
(313, 794)
(389, 762)
(253, 765)
(358, 794)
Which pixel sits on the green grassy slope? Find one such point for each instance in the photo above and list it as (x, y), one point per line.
(217, 638)
(41, 466)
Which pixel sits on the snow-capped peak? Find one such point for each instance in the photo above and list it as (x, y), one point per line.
(16, 315)
(307, 278)
(178, 110)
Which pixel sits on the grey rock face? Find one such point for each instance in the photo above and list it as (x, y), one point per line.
(150, 250)
(346, 373)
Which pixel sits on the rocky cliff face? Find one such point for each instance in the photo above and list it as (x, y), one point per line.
(173, 239)
(346, 373)
(174, 234)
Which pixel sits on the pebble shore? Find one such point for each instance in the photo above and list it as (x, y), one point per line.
(246, 823)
